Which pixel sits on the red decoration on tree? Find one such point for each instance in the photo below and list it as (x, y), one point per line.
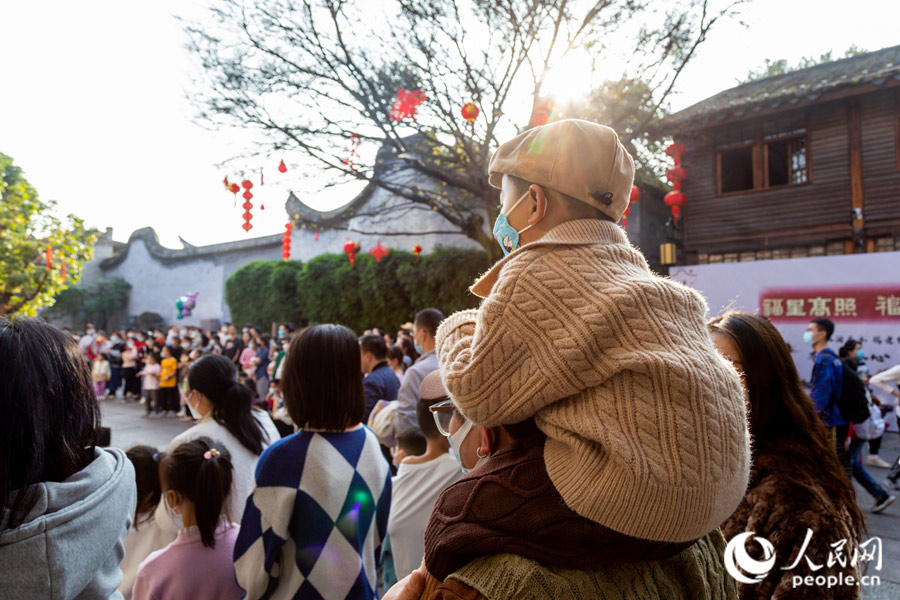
(227, 185)
(625, 216)
(286, 242)
(406, 104)
(261, 180)
(281, 167)
(247, 226)
(417, 250)
(541, 111)
(470, 111)
(234, 189)
(49, 258)
(676, 199)
(352, 148)
(62, 272)
(246, 184)
(316, 236)
(378, 251)
(247, 195)
(351, 248)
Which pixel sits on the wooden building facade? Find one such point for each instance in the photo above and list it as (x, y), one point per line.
(802, 164)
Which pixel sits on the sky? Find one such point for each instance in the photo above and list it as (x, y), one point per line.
(93, 109)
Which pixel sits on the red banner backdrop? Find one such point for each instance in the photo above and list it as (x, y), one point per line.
(797, 305)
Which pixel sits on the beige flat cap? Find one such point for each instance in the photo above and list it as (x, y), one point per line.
(581, 159)
(432, 387)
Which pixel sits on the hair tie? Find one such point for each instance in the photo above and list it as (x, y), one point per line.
(211, 453)
(155, 456)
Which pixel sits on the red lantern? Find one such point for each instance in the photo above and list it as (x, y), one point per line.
(247, 195)
(49, 257)
(541, 111)
(286, 242)
(281, 167)
(351, 248)
(247, 184)
(417, 250)
(234, 189)
(625, 216)
(635, 194)
(378, 251)
(675, 150)
(62, 272)
(406, 104)
(247, 226)
(678, 174)
(470, 111)
(675, 200)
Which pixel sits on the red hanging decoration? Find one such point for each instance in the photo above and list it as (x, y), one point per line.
(352, 148)
(235, 188)
(635, 194)
(316, 236)
(281, 167)
(227, 185)
(417, 250)
(625, 216)
(351, 248)
(62, 272)
(470, 111)
(542, 111)
(261, 180)
(378, 251)
(286, 242)
(676, 199)
(49, 258)
(247, 195)
(406, 104)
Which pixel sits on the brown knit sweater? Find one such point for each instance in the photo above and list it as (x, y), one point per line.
(646, 423)
(779, 509)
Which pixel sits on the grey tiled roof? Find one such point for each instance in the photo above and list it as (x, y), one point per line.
(789, 89)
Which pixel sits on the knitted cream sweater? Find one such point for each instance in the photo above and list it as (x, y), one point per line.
(646, 423)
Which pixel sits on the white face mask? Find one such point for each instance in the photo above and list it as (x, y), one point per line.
(456, 441)
(194, 412)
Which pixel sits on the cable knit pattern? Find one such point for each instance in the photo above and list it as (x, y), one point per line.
(646, 423)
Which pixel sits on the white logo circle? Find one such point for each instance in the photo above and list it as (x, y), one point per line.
(736, 552)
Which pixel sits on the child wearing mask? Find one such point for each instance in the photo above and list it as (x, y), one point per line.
(168, 381)
(145, 535)
(646, 424)
(196, 479)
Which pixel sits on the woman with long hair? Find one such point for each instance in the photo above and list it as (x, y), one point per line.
(796, 482)
(225, 411)
(65, 504)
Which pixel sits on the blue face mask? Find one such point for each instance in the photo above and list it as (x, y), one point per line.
(807, 338)
(418, 348)
(507, 235)
(860, 354)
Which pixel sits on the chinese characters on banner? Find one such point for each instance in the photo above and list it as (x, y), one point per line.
(878, 308)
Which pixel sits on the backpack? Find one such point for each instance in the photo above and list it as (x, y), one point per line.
(853, 403)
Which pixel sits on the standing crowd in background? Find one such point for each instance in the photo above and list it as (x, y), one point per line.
(586, 432)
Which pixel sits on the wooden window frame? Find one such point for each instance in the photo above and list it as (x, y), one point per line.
(760, 147)
(897, 140)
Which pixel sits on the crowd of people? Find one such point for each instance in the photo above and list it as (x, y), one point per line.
(586, 432)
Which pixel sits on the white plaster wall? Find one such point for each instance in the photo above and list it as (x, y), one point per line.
(156, 285)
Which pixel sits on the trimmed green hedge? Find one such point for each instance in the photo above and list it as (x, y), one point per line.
(328, 290)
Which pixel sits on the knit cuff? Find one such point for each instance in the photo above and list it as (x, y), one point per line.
(447, 330)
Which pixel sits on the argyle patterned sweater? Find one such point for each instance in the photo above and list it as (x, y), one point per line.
(314, 524)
